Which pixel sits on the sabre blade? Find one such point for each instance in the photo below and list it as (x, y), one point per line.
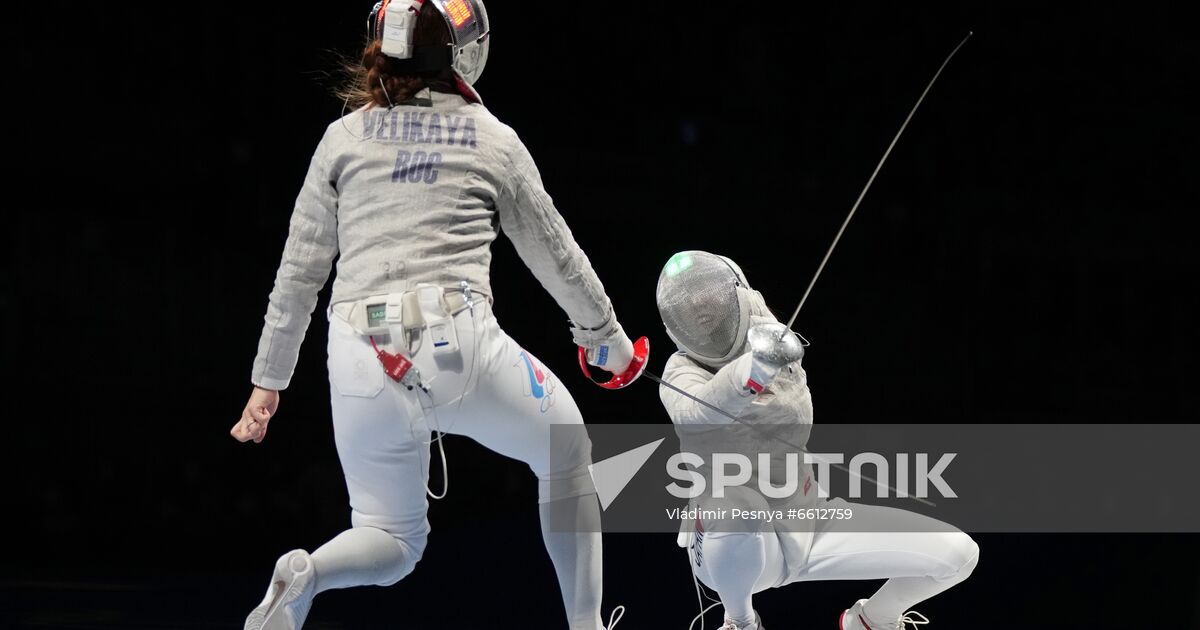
(871, 181)
(671, 387)
(817, 275)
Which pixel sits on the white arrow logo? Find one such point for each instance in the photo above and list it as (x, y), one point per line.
(613, 474)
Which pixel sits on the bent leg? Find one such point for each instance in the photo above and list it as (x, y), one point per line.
(921, 557)
(386, 468)
(736, 559)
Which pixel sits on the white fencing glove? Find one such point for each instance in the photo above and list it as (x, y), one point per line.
(613, 354)
(772, 347)
(608, 348)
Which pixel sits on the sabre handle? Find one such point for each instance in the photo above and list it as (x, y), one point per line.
(641, 356)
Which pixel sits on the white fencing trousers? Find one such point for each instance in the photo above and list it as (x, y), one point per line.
(924, 559)
(493, 392)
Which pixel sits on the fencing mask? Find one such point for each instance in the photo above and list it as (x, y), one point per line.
(708, 306)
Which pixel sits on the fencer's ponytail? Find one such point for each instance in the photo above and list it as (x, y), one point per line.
(376, 79)
(385, 86)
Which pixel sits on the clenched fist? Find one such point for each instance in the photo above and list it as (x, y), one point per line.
(258, 413)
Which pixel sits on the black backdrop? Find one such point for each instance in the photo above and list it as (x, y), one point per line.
(1026, 256)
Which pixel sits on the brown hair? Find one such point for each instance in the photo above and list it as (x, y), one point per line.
(365, 82)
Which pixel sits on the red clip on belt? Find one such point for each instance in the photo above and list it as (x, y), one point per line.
(641, 352)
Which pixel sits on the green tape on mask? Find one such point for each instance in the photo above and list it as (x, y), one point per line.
(678, 264)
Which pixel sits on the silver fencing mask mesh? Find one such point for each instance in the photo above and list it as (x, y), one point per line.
(702, 299)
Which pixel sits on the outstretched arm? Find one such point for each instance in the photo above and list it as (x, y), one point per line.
(726, 390)
(733, 387)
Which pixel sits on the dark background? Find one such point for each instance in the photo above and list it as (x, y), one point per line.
(1027, 255)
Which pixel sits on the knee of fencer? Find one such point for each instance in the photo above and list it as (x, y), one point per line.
(722, 514)
(414, 545)
(739, 498)
(411, 535)
(734, 560)
(565, 485)
(412, 548)
(962, 555)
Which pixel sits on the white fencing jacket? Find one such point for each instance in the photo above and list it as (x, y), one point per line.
(416, 194)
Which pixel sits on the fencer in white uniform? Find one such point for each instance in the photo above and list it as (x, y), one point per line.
(408, 196)
(735, 355)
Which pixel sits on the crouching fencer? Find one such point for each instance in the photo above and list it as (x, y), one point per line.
(734, 355)
(410, 190)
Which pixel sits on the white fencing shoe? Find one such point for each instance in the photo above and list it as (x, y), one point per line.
(289, 597)
(855, 619)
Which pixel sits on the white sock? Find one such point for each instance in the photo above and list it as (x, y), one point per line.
(362, 556)
(571, 531)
